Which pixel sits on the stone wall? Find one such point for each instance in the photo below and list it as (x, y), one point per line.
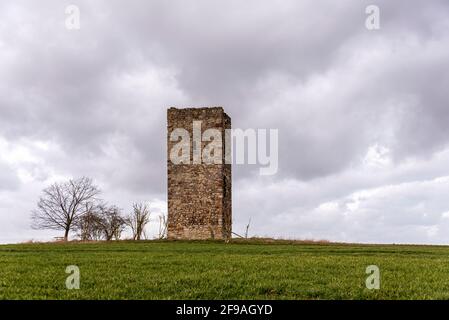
(199, 195)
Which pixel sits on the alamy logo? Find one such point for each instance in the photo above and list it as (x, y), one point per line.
(72, 21)
(251, 147)
(372, 21)
(373, 280)
(73, 280)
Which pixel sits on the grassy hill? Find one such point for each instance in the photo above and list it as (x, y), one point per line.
(215, 270)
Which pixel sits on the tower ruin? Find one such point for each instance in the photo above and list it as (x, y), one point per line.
(199, 193)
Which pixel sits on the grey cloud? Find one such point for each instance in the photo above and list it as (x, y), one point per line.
(8, 177)
(310, 69)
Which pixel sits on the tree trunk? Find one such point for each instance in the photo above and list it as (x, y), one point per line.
(66, 235)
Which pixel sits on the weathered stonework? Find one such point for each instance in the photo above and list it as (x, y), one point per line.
(199, 195)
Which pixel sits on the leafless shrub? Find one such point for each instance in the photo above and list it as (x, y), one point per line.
(88, 226)
(138, 220)
(163, 223)
(101, 222)
(111, 222)
(247, 228)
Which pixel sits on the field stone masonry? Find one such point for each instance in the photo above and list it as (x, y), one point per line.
(199, 195)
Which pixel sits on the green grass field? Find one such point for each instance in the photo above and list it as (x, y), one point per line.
(215, 270)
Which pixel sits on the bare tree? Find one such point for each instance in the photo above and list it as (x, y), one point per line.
(111, 222)
(63, 204)
(138, 219)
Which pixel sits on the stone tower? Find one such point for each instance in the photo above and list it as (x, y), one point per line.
(199, 194)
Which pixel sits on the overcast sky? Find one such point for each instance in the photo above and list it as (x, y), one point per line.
(362, 114)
